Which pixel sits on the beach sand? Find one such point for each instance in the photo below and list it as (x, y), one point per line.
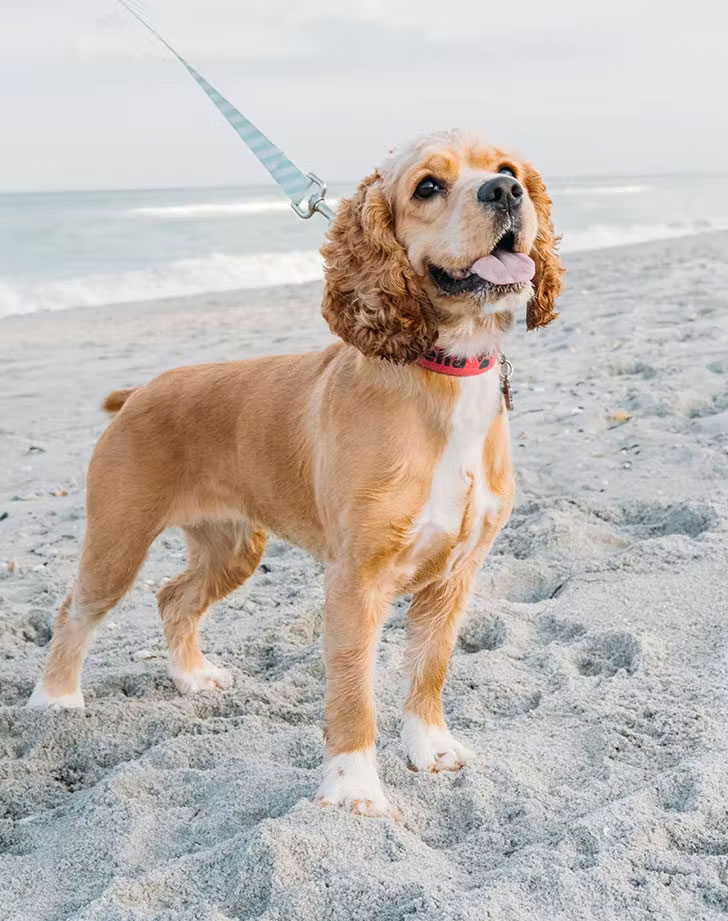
(590, 675)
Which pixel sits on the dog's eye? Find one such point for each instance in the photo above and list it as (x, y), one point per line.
(428, 187)
(507, 170)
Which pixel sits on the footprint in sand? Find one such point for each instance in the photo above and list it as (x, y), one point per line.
(481, 633)
(552, 629)
(608, 654)
(37, 628)
(660, 519)
(678, 793)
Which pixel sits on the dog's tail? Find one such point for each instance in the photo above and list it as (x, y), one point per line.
(116, 399)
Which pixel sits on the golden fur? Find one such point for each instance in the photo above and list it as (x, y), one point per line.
(335, 451)
(372, 297)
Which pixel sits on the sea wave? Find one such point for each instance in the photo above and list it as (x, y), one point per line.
(224, 272)
(585, 190)
(281, 206)
(216, 272)
(215, 209)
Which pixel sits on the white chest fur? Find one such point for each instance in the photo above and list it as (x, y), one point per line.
(460, 465)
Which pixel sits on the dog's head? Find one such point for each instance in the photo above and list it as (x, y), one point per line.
(448, 234)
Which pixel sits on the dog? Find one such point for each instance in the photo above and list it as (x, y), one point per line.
(386, 455)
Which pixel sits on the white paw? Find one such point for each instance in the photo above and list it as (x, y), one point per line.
(207, 677)
(351, 780)
(42, 699)
(432, 748)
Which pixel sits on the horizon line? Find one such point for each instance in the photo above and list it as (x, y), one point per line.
(273, 186)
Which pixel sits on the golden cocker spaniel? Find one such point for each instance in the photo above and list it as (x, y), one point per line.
(386, 455)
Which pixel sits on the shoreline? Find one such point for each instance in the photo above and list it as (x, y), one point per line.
(568, 255)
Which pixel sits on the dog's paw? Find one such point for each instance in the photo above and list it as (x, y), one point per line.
(351, 780)
(42, 699)
(207, 677)
(432, 748)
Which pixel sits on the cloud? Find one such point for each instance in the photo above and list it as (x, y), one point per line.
(89, 99)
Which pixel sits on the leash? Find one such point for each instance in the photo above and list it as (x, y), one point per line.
(306, 191)
(307, 194)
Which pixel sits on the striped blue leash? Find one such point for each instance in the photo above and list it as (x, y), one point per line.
(306, 191)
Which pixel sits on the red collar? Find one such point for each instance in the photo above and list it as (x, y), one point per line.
(439, 361)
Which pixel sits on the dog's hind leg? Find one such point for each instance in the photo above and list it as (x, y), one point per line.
(114, 549)
(221, 556)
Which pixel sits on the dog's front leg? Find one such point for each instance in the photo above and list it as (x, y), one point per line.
(433, 617)
(353, 616)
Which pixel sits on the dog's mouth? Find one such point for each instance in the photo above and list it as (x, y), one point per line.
(502, 271)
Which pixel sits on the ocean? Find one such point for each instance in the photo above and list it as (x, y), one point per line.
(68, 249)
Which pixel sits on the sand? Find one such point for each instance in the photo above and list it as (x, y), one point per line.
(590, 676)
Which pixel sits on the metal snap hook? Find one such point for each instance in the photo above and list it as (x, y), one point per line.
(315, 201)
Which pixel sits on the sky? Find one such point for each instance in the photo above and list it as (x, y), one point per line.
(87, 100)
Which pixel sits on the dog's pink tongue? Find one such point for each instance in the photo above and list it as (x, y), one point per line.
(504, 268)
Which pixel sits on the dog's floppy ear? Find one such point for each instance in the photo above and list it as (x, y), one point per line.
(372, 297)
(547, 280)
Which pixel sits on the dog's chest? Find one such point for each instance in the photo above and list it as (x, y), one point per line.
(460, 496)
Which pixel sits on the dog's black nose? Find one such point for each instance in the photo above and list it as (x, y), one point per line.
(503, 192)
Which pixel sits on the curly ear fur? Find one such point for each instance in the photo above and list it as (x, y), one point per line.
(372, 298)
(547, 280)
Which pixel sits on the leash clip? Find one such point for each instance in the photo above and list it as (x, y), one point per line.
(506, 372)
(316, 201)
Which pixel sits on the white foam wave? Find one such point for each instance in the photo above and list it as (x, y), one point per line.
(281, 206)
(602, 190)
(222, 272)
(606, 236)
(216, 209)
(217, 272)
